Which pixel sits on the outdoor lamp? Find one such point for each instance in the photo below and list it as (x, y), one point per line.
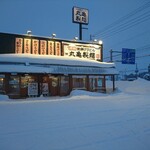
(29, 32)
(53, 35)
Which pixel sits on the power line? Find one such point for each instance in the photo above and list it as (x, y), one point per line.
(145, 47)
(131, 38)
(124, 18)
(126, 26)
(109, 27)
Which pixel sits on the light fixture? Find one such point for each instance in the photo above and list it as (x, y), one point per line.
(76, 38)
(53, 35)
(100, 42)
(29, 32)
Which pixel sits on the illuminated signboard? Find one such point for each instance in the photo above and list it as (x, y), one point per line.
(80, 15)
(18, 45)
(57, 48)
(50, 48)
(27, 46)
(35, 46)
(43, 47)
(82, 51)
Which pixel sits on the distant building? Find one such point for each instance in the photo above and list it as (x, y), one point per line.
(34, 66)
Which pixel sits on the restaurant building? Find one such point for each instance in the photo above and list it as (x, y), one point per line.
(33, 66)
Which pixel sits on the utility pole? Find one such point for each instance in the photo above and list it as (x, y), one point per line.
(111, 57)
(80, 31)
(111, 54)
(136, 71)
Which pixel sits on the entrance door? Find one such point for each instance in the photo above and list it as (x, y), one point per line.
(14, 85)
(54, 86)
(64, 85)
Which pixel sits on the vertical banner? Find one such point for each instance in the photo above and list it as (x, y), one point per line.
(57, 48)
(18, 45)
(35, 46)
(27, 46)
(50, 48)
(43, 47)
(98, 54)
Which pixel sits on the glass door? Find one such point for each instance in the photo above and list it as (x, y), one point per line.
(14, 87)
(54, 85)
(64, 85)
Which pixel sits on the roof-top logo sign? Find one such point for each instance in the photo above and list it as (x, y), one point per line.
(80, 15)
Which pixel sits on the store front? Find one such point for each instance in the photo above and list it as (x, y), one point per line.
(56, 76)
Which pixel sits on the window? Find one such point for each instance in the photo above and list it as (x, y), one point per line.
(2, 78)
(14, 85)
(64, 85)
(95, 83)
(79, 82)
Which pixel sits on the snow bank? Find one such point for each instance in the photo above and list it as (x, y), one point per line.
(139, 86)
(4, 98)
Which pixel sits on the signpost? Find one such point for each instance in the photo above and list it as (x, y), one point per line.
(128, 56)
(80, 16)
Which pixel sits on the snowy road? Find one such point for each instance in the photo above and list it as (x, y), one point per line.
(108, 122)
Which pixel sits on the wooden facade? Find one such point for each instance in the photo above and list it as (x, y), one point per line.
(33, 85)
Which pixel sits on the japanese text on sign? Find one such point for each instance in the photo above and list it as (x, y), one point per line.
(27, 46)
(80, 15)
(50, 48)
(57, 49)
(43, 47)
(82, 51)
(35, 46)
(18, 45)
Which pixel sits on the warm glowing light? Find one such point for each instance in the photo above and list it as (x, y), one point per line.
(100, 42)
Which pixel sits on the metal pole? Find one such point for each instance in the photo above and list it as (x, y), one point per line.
(80, 31)
(111, 57)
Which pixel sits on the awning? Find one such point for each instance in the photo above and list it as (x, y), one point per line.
(56, 69)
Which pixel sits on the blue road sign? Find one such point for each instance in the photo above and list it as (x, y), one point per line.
(128, 56)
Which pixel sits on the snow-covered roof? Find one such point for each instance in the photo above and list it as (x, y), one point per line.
(53, 64)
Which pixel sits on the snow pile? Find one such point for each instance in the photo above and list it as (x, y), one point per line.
(4, 98)
(139, 86)
(83, 93)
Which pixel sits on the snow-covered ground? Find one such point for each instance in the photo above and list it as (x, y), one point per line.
(81, 121)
